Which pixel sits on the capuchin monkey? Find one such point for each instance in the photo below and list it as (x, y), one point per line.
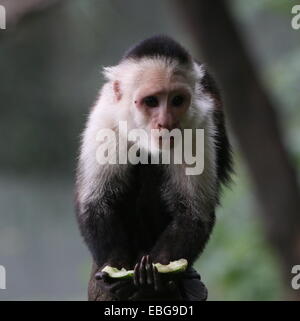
(132, 215)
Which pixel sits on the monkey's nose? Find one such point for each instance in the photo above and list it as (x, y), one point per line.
(164, 126)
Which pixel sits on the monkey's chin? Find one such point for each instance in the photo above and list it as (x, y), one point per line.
(157, 145)
(165, 143)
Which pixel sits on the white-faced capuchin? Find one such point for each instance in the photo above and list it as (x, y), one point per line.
(136, 211)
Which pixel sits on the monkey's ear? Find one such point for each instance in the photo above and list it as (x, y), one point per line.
(111, 74)
(117, 90)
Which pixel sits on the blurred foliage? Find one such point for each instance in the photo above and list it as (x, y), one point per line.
(238, 263)
(256, 6)
(284, 77)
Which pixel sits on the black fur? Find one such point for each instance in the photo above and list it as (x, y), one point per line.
(160, 45)
(129, 222)
(223, 147)
(133, 220)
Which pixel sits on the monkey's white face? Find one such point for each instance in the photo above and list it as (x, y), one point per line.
(154, 94)
(161, 101)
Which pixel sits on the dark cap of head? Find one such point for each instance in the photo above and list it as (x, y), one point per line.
(159, 46)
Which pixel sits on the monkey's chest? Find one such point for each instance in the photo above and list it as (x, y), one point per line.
(149, 215)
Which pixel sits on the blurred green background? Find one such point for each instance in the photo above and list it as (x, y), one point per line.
(50, 64)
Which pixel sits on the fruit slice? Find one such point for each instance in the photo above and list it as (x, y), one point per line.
(118, 274)
(172, 267)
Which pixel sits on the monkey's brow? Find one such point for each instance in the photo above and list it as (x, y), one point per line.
(162, 91)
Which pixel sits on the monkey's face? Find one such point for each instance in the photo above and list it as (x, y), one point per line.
(161, 101)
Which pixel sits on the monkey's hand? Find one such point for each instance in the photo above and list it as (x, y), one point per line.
(146, 277)
(119, 289)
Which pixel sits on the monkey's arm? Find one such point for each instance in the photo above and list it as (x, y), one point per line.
(108, 242)
(185, 237)
(102, 229)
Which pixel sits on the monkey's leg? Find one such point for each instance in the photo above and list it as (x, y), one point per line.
(191, 286)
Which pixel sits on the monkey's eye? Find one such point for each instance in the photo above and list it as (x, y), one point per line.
(151, 101)
(177, 100)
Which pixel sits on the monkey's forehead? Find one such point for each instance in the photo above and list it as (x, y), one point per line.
(161, 80)
(162, 77)
(150, 70)
(162, 73)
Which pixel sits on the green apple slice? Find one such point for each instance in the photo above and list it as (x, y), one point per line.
(172, 267)
(118, 274)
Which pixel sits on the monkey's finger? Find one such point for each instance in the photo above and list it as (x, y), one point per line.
(149, 270)
(102, 276)
(157, 279)
(136, 275)
(171, 285)
(142, 271)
